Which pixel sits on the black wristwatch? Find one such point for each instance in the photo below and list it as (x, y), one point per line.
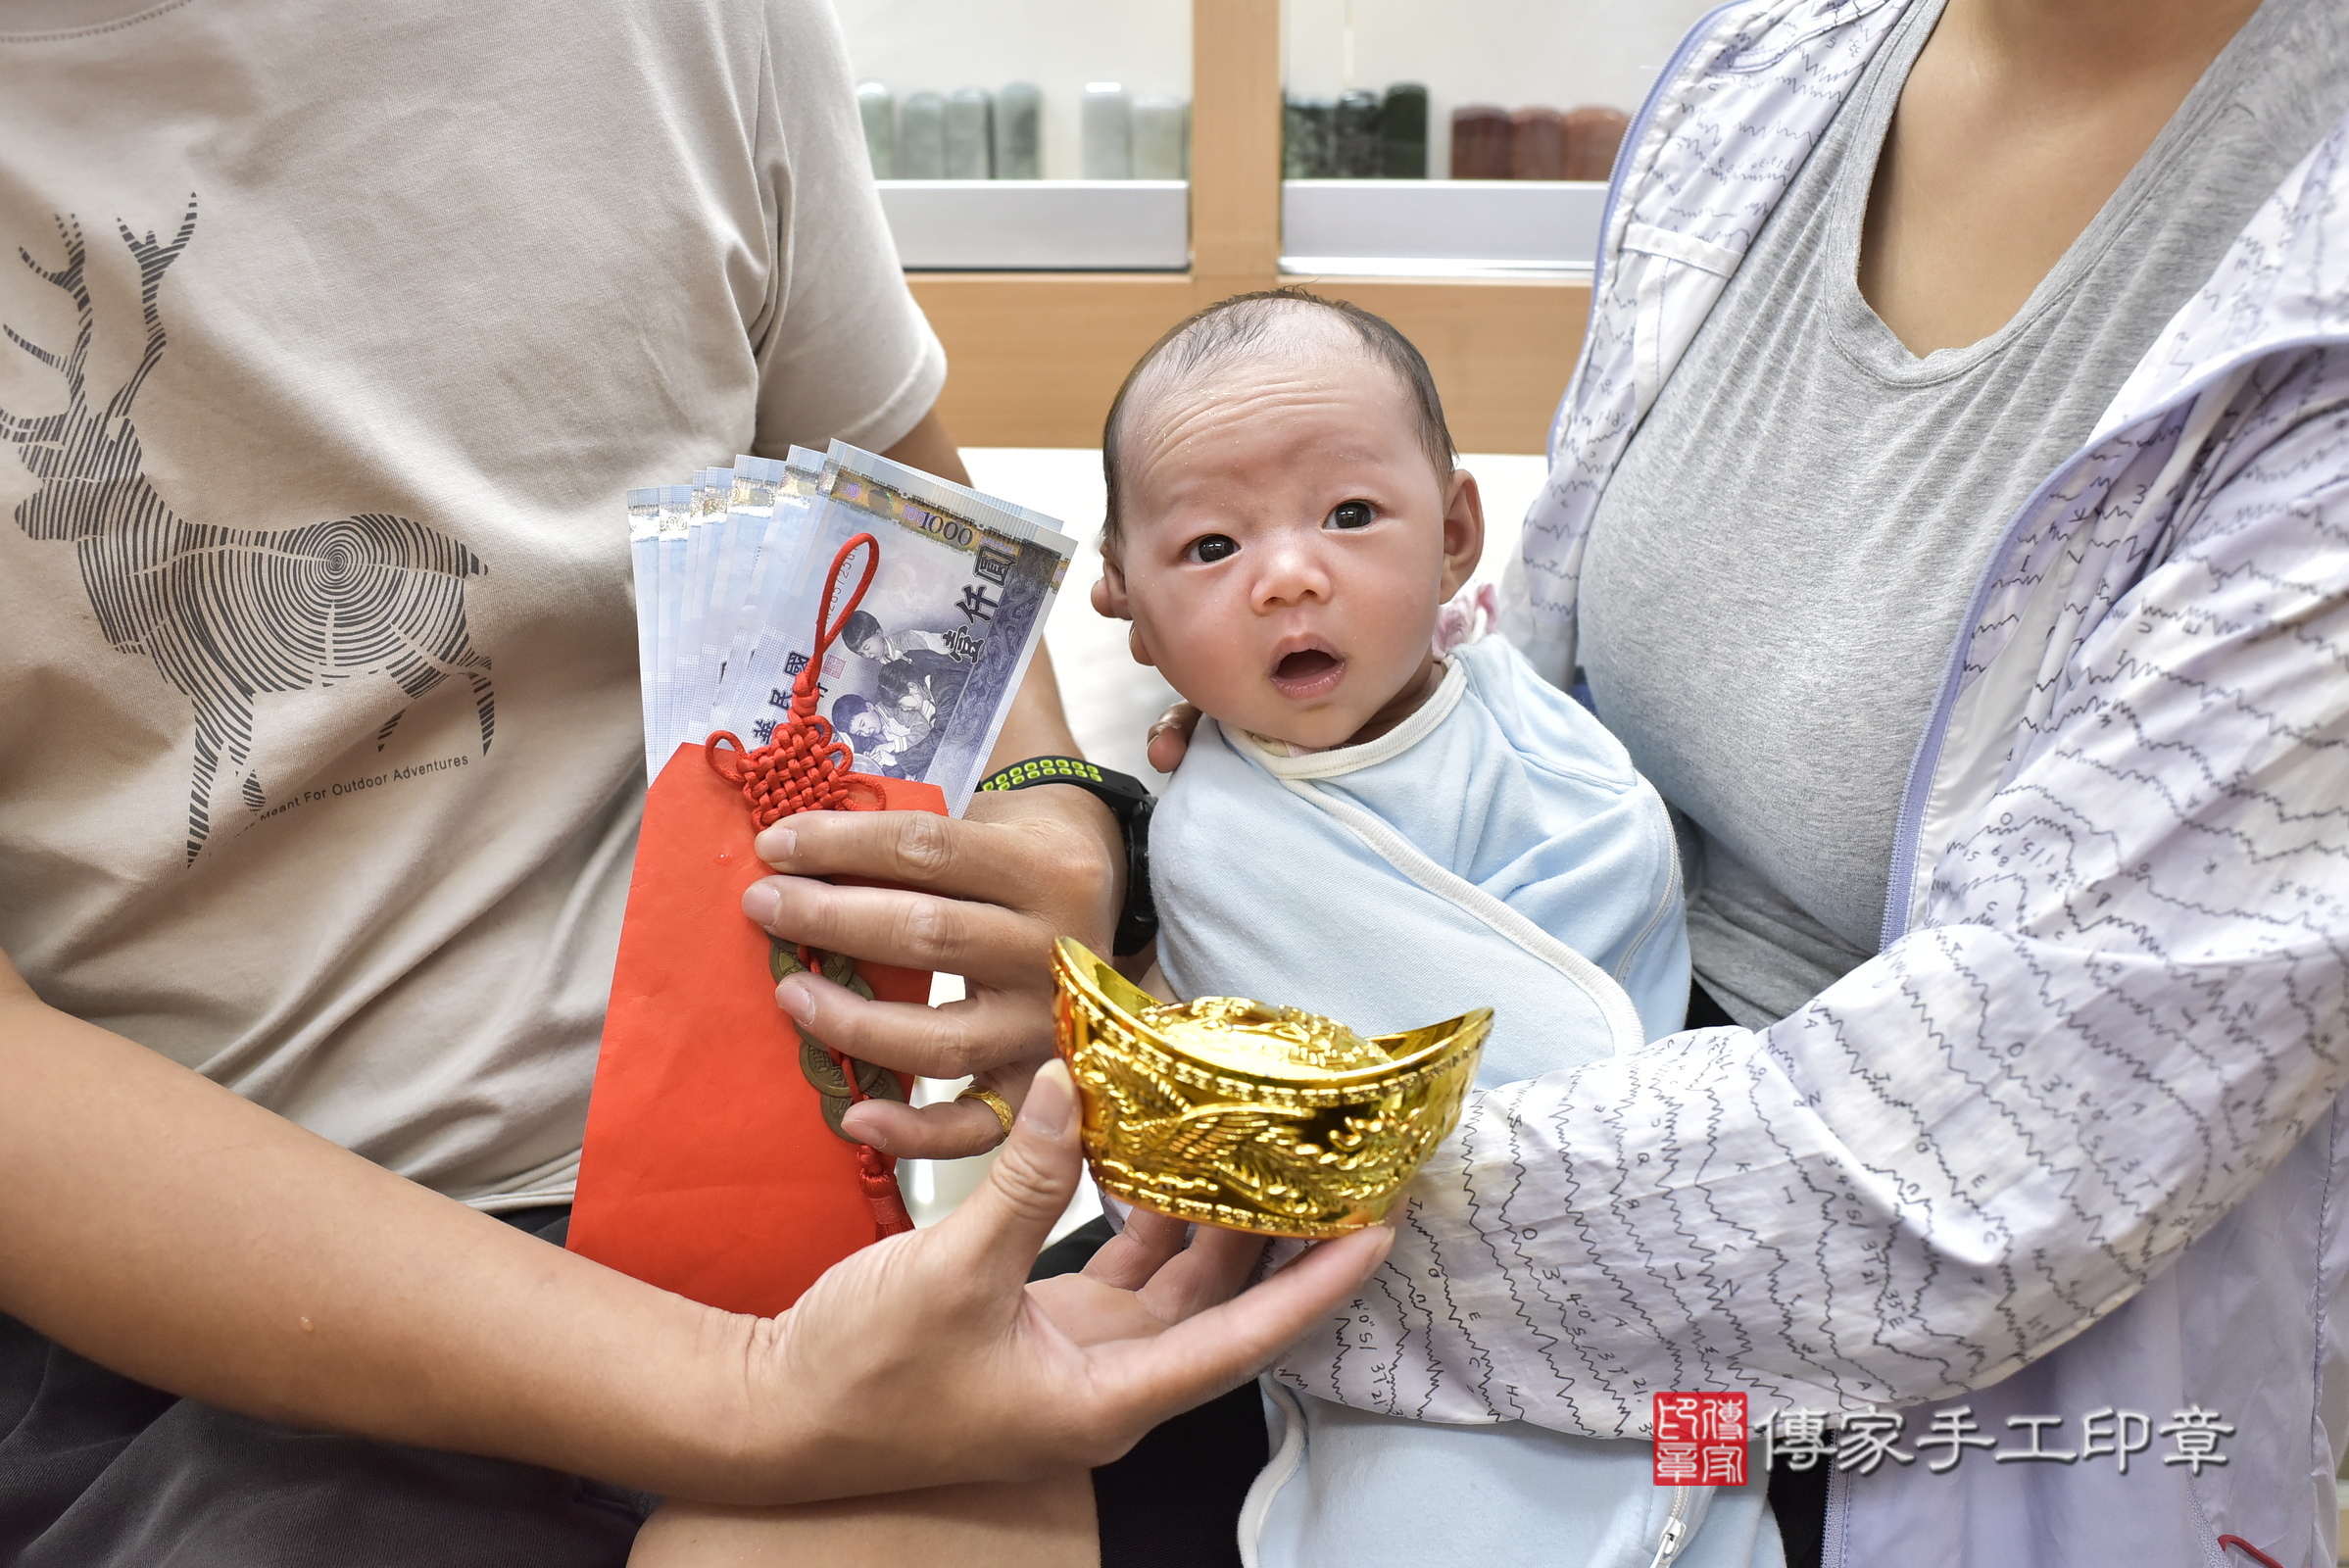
(1131, 805)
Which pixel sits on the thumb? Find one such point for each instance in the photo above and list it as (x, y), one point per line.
(1006, 1220)
(1171, 737)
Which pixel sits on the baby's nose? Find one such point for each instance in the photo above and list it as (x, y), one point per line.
(1290, 570)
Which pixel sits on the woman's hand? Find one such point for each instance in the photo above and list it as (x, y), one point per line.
(983, 898)
(1171, 737)
(925, 1360)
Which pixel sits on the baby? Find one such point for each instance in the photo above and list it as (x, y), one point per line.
(1379, 828)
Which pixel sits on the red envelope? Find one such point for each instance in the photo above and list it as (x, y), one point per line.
(708, 1169)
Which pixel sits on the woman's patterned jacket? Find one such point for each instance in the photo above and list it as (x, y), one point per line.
(2072, 1145)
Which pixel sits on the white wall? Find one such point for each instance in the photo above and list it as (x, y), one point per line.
(1510, 52)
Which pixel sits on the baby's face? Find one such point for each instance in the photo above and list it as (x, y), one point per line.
(1286, 544)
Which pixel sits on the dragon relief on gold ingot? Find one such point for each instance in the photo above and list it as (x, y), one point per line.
(1251, 1116)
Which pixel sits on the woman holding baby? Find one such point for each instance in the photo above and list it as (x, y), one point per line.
(1948, 520)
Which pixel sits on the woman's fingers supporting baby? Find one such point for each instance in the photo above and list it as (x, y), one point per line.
(1142, 1248)
(1211, 1269)
(1171, 737)
(1178, 1269)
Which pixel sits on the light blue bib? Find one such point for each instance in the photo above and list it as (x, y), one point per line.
(1494, 849)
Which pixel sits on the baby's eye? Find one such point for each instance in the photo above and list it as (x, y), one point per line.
(1211, 548)
(1352, 514)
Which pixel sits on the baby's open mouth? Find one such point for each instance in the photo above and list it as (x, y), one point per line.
(1305, 663)
(1307, 672)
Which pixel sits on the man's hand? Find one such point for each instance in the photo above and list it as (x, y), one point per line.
(925, 1360)
(1145, 1279)
(994, 888)
(160, 1225)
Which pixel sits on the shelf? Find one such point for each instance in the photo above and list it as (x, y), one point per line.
(1037, 225)
(1440, 227)
(1035, 354)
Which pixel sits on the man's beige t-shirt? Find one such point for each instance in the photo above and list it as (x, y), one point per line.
(320, 744)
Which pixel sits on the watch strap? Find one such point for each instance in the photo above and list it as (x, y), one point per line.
(1131, 804)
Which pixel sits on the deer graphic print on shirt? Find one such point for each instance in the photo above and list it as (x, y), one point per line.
(390, 388)
(227, 613)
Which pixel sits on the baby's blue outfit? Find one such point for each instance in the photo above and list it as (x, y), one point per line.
(1497, 848)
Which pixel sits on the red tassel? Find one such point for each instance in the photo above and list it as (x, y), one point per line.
(804, 767)
(881, 1194)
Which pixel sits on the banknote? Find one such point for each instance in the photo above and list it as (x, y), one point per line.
(774, 498)
(752, 484)
(925, 670)
(644, 568)
(787, 613)
(658, 517)
(730, 569)
(712, 491)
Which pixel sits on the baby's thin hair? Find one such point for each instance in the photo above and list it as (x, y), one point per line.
(1230, 329)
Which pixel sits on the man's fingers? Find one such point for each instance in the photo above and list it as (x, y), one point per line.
(1171, 737)
(1130, 1258)
(980, 1034)
(1215, 1264)
(957, 1130)
(1225, 1346)
(1175, 1271)
(962, 859)
(984, 941)
(1005, 1223)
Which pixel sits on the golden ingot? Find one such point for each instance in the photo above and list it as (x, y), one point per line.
(1250, 1116)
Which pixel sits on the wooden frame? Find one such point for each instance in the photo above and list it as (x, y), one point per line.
(1036, 356)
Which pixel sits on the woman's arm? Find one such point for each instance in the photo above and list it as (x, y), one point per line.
(160, 1225)
(2125, 1005)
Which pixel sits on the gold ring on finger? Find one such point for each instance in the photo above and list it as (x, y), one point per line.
(993, 1102)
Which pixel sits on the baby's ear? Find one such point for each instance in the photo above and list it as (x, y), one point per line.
(1463, 531)
(1110, 599)
(1109, 588)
